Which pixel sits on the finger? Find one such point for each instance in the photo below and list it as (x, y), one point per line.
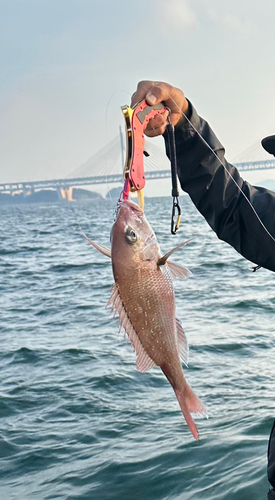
(142, 89)
(158, 121)
(173, 98)
(158, 92)
(153, 92)
(175, 117)
(154, 132)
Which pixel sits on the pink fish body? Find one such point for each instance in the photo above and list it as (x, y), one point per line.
(143, 296)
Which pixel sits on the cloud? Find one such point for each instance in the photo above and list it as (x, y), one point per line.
(177, 15)
(232, 22)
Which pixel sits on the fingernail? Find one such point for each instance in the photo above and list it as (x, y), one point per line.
(152, 98)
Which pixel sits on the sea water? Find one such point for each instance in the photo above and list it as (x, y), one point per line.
(77, 420)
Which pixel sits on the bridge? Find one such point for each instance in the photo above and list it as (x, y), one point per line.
(107, 166)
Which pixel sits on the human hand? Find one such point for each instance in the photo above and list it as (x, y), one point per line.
(173, 98)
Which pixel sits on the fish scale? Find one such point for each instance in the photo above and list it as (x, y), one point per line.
(149, 300)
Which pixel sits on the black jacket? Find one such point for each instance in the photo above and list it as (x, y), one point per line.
(218, 199)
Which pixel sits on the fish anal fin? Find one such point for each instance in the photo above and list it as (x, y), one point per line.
(143, 362)
(182, 343)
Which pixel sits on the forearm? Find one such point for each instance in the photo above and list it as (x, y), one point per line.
(218, 197)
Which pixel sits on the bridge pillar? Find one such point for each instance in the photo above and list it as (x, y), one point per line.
(70, 194)
(65, 193)
(27, 192)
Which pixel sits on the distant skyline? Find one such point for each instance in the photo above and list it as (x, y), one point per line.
(68, 66)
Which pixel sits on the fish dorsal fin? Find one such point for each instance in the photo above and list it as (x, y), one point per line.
(104, 250)
(144, 362)
(182, 343)
(177, 271)
(163, 259)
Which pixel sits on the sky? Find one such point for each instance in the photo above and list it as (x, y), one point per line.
(68, 65)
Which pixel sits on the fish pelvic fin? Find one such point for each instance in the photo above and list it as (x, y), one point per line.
(189, 402)
(177, 272)
(104, 250)
(143, 362)
(164, 258)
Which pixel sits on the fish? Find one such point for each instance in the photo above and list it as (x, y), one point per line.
(143, 297)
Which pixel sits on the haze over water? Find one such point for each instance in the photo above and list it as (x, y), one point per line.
(77, 420)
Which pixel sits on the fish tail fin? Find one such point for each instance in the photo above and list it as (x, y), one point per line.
(189, 402)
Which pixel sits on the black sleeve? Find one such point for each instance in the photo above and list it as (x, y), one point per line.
(218, 198)
(271, 459)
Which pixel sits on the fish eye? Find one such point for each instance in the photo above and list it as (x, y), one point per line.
(130, 236)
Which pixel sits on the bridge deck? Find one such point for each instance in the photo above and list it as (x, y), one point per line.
(112, 178)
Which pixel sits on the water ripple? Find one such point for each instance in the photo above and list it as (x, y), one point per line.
(77, 419)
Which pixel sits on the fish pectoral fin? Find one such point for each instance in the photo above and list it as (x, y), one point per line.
(104, 250)
(182, 343)
(164, 258)
(143, 362)
(177, 271)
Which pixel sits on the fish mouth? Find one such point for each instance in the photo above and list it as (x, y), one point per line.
(129, 208)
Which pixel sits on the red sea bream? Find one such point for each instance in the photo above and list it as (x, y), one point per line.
(143, 297)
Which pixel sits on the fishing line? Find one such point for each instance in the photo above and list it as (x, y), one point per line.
(105, 126)
(105, 134)
(226, 169)
(107, 170)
